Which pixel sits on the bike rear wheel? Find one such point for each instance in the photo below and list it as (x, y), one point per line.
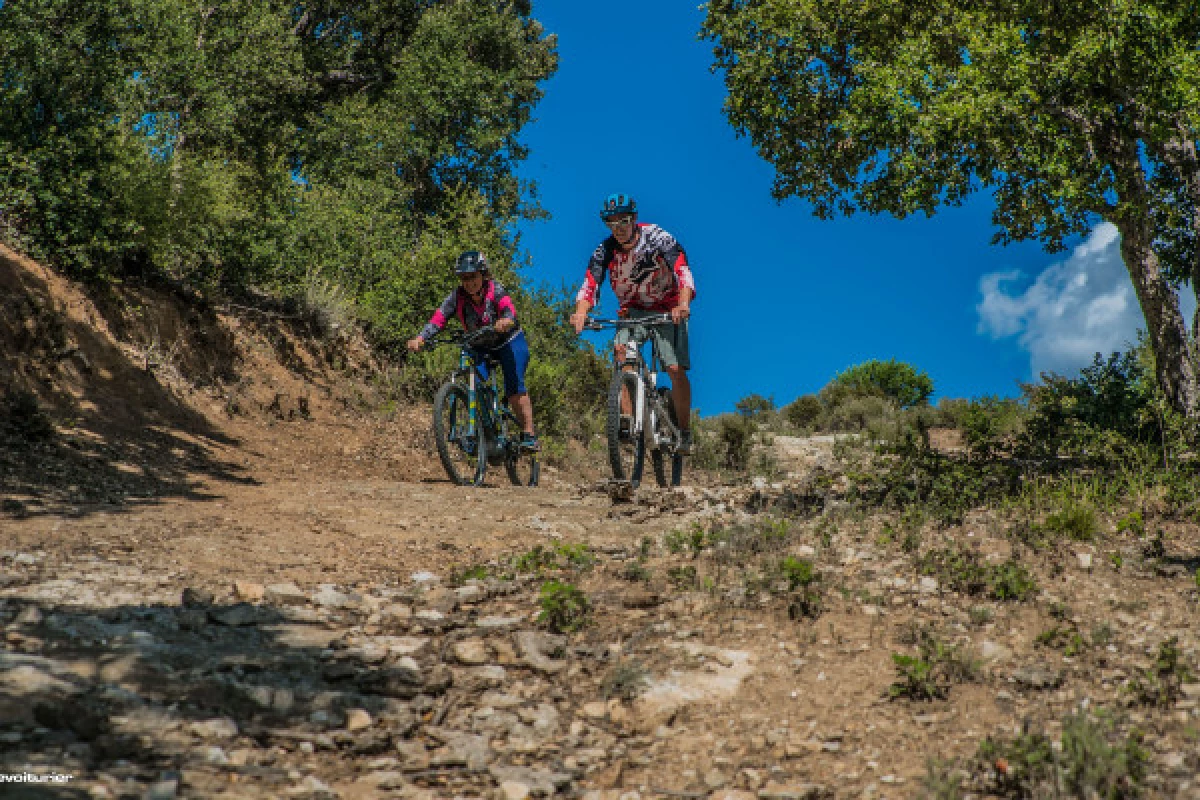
(658, 458)
(463, 453)
(626, 454)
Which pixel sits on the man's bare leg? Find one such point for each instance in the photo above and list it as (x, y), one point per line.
(681, 396)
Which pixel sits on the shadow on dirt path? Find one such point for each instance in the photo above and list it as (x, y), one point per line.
(120, 434)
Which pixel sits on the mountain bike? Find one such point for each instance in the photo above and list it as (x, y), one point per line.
(641, 414)
(473, 427)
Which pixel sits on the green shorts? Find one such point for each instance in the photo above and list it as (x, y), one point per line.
(670, 339)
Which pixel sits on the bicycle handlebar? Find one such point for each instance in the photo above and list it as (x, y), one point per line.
(460, 339)
(596, 324)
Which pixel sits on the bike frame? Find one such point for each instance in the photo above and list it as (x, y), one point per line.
(480, 414)
(643, 410)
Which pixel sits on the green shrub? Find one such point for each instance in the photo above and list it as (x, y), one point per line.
(803, 412)
(895, 380)
(936, 667)
(1132, 523)
(460, 575)
(1065, 638)
(988, 424)
(962, 570)
(1160, 685)
(625, 680)
(909, 473)
(755, 406)
(801, 576)
(23, 419)
(855, 414)
(1085, 764)
(1075, 521)
(535, 560)
(565, 608)
(735, 435)
(798, 572)
(684, 577)
(1011, 581)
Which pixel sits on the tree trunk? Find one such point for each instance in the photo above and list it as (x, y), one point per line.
(1174, 351)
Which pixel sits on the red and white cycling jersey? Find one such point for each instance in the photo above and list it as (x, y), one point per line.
(649, 277)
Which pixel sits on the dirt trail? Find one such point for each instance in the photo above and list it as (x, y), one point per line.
(298, 633)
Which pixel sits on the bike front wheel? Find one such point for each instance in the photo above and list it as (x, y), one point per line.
(524, 469)
(626, 452)
(462, 451)
(658, 456)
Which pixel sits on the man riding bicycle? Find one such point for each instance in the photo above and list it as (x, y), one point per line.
(649, 274)
(478, 302)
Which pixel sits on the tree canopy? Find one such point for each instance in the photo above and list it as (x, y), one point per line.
(1067, 113)
(253, 142)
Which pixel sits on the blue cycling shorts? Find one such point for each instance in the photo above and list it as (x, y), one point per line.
(513, 356)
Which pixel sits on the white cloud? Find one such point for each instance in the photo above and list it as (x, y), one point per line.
(1072, 310)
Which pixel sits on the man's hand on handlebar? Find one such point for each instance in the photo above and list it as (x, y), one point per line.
(680, 313)
(504, 325)
(578, 320)
(416, 343)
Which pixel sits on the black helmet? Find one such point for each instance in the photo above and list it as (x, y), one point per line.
(619, 203)
(470, 262)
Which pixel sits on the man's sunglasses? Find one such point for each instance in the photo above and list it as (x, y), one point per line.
(619, 222)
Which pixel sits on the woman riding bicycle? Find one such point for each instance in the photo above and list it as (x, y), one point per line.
(479, 302)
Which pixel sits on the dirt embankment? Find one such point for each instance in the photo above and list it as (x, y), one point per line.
(225, 574)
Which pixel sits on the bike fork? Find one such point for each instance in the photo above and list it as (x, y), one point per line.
(472, 405)
(637, 404)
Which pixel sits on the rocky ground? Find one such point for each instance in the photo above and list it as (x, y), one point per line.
(339, 636)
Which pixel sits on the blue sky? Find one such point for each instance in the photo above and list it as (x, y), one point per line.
(784, 300)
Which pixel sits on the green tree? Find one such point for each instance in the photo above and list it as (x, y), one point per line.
(892, 379)
(755, 405)
(1067, 113)
(202, 140)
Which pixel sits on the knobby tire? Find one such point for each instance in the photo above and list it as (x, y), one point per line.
(657, 459)
(627, 458)
(451, 414)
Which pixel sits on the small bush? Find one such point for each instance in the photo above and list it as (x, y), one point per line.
(536, 560)
(929, 674)
(635, 572)
(1132, 523)
(798, 572)
(755, 406)
(1065, 638)
(1160, 685)
(626, 681)
(916, 679)
(988, 424)
(962, 570)
(1011, 581)
(856, 414)
(1075, 521)
(803, 412)
(565, 608)
(460, 575)
(805, 597)
(895, 380)
(1086, 764)
(329, 307)
(735, 436)
(560, 556)
(22, 417)
(683, 577)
